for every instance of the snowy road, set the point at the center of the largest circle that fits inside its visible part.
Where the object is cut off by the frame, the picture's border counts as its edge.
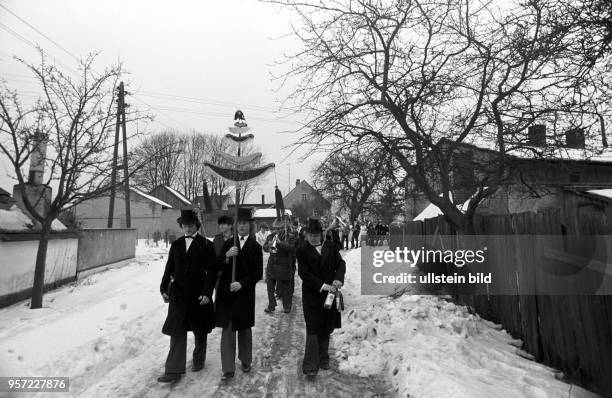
(105, 334)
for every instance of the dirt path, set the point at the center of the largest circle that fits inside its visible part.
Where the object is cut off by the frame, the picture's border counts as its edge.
(277, 370)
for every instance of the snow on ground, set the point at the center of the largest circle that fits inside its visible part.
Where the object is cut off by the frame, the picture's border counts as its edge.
(427, 346)
(104, 332)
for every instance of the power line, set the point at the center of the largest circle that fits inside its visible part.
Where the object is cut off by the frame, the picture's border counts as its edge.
(35, 47)
(39, 32)
(210, 101)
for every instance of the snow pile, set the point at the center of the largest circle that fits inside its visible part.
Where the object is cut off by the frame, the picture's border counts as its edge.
(430, 347)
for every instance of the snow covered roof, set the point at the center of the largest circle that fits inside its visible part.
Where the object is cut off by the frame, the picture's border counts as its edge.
(268, 213)
(606, 193)
(178, 195)
(432, 210)
(587, 155)
(15, 220)
(151, 198)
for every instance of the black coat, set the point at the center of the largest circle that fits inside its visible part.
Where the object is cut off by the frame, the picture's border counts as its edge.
(316, 269)
(239, 307)
(194, 275)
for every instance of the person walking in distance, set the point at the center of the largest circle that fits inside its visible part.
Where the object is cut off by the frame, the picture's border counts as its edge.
(235, 300)
(187, 286)
(322, 271)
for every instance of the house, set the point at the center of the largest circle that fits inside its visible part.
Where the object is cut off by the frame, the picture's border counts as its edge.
(150, 215)
(532, 183)
(305, 201)
(170, 196)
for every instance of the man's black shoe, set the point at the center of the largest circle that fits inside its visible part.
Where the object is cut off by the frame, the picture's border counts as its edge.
(197, 368)
(324, 365)
(227, 376)
(287, 310)
(169, 378)
(246, 368)
(268, 310)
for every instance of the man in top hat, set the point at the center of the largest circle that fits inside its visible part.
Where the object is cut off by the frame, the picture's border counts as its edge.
(279, 271)
(187, 285)
(235, 303)
(322, 271)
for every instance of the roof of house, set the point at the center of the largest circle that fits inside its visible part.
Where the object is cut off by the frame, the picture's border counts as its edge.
(151, 198)
(303, 182)
(178, 195)
(268, 213)
(601, 156)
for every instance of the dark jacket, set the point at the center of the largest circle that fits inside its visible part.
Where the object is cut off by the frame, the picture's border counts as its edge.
(239, 307)
(194, 275)
(280, 264)
(316, 269)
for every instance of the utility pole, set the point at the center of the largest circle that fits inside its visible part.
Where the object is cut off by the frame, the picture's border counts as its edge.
(120, 123)
(111, 206)
(128, 217)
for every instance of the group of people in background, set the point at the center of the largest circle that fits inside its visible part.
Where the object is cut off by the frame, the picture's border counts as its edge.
(210, 284)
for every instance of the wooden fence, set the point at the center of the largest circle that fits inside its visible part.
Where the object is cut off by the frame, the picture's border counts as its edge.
(571, 332)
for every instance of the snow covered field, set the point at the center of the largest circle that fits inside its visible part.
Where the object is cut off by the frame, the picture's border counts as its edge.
(104, 332)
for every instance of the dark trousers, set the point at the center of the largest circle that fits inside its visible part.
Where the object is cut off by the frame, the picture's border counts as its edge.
(177, 356)
(316, 352)
(228, 347)
(284, 290)
(355, 241)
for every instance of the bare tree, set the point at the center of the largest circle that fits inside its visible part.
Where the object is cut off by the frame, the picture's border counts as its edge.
(419, 79)
(191, 166)
(352, 177)
(74, 118)
(160, 154)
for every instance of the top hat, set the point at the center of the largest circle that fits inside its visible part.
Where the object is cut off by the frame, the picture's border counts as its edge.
(188, 216)
(314, 226)
(244, 214)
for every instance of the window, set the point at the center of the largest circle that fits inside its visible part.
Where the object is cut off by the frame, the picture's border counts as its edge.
(304, 197)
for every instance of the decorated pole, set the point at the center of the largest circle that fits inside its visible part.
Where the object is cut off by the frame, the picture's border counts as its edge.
(236, 168)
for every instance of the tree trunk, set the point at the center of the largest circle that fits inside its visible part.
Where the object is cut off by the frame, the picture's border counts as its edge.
(39, 270)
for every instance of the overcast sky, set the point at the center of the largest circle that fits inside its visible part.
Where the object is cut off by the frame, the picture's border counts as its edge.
(219, 54)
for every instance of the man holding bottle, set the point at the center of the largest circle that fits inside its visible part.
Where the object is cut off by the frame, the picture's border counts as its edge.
(322, 271)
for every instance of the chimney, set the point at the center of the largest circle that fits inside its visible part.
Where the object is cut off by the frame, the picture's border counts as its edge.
(37, 158)
(297, 182)
(537, 135)
(263, 202)
(574, 138)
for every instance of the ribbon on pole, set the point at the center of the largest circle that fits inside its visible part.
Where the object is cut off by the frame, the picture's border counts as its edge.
(238, 129)
(233, 175)
(240, 160)
(240, 139)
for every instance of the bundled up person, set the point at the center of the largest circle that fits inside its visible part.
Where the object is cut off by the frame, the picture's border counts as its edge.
(187, 285)
(322, 271)
(235, 300)
(225, 224)
(279, 271)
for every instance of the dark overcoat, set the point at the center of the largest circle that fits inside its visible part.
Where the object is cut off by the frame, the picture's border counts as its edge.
(239, 307)
(316, 269)
(194, 274)
(280, 264)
